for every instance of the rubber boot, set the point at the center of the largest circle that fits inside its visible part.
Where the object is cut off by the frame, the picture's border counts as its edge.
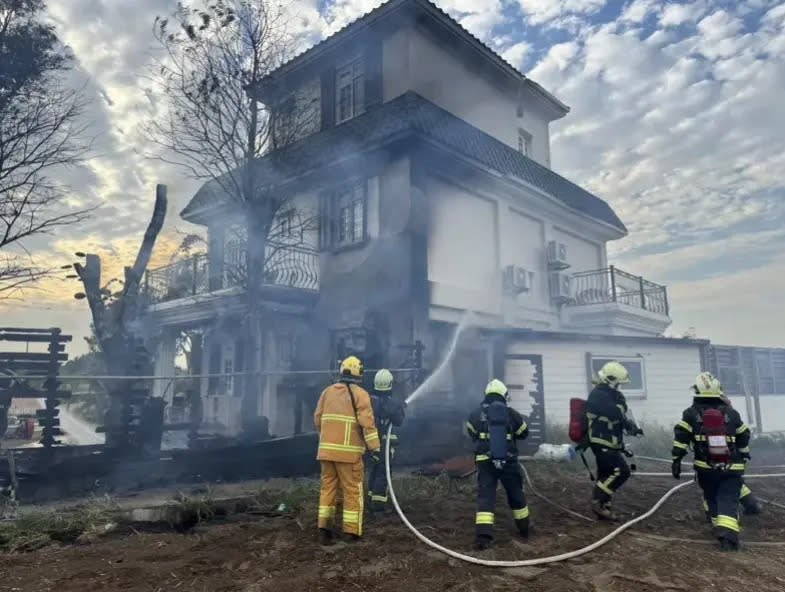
(482, 543)
(602, 510)
(728, 545)
(751, 505)
(325, 537)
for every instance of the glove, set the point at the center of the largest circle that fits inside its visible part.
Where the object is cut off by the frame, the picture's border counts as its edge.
(638, 431)
(676, 469)
(376, 456)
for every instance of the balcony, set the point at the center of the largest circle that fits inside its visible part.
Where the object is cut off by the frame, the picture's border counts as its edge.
(289, 267)
(617, 302)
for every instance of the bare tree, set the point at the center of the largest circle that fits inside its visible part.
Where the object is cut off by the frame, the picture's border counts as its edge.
(41, 130)
(116, 317)
(216, 132)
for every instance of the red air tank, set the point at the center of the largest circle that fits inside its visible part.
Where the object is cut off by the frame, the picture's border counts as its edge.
(577, 419)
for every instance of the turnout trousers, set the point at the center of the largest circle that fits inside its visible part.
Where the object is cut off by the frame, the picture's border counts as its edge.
(377, 478)
(347, 477)
(511, 478)
(721, 491)
(612, 472)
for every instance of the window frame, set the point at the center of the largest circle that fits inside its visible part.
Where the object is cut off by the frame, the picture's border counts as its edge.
(355, 70)
(635, 394)
(525, 142)
(331, 219)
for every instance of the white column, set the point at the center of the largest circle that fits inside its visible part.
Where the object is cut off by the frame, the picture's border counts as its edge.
(164, 363)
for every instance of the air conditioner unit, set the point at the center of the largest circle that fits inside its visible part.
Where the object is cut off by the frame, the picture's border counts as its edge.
(560, 286)
(557, 256)
(517, 279)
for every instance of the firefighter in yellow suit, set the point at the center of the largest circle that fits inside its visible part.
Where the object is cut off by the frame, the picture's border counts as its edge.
(345, 422)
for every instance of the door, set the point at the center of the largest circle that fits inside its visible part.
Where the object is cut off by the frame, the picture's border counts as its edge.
(523, 376)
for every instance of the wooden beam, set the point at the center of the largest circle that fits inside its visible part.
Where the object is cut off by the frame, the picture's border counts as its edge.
(18, 356)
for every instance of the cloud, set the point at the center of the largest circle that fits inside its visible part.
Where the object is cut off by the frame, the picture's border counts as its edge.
(541, 12)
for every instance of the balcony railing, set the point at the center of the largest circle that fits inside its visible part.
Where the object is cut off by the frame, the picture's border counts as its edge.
(285, 266)
(612, 285)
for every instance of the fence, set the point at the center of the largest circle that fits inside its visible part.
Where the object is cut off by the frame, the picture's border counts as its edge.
(285, 266)
(612, 285)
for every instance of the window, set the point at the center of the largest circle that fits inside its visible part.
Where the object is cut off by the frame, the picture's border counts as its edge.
(349, 91)
(235, 247)
(345, 217)
(286, 225)
(636, 389)
(524, 142)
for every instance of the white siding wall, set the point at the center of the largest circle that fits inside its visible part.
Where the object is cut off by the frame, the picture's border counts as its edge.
(441, 78)
(523, 243)
(669, 368)
(582, 254)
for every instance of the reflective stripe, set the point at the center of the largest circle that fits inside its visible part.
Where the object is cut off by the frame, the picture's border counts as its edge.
(714, 521)
(738, 467)
(470, 427)
(341, 447)
(379, 498)
(744, 427)
(744, 450)
(484, 518)
(521, 429)
(520, 514)
(605, 488)
(727, 522)
(392, 438)
(700, 438)
(483, 435)
(685, 426)
(677, 444)
(349, 516)
(339, 417)
(482, 457)
(372, 437)
(705, 505)
(326, 511)
(745, 491)
(708, 395)
(609, 444)
(702, 464)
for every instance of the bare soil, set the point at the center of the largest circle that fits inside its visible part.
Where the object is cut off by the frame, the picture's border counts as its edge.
(672, 551)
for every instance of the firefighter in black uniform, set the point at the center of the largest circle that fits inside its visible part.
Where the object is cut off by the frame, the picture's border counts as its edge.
(749, 502)
(387, 411)
(495, 428)
(606, 422)
(720, 442)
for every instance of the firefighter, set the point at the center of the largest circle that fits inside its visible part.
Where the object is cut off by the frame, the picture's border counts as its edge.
(494, 427)
(606, 422)
(720, 441)
(346, 426)
(749, 502)
(386, 411)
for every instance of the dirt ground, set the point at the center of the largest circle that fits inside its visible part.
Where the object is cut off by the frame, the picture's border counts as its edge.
(254, 554)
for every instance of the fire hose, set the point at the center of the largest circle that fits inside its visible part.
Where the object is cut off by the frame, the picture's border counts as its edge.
(539, 560)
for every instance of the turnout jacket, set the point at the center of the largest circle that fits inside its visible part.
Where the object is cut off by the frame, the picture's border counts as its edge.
(606, 417)
(387, 411)
(689, 431)
(345, 422)
(477, 426)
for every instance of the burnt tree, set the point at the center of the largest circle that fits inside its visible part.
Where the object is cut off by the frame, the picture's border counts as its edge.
(120, 332)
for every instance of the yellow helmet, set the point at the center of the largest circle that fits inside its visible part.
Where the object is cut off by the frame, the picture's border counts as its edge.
(496, 387)
(352, 367)
(613, 374)
(383, 380)
(707, 385)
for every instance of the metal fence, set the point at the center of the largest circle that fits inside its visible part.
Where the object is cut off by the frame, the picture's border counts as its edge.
(285, 266)
(612, 285)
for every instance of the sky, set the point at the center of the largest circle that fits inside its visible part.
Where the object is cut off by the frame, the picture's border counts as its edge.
(675, 120)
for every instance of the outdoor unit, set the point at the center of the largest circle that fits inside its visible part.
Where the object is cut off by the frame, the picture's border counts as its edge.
(557, 256)
(560, 285)
(517, 279)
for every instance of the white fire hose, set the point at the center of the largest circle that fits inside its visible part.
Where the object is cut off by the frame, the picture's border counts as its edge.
(539, 560)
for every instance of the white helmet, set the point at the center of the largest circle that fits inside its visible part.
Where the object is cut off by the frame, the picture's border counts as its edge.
(613, 374)
(383, 380)
(497, 387)
(706, 385)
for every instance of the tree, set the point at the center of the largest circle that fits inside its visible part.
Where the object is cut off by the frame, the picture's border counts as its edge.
(118, 323)
(216, 132)
(40, 131)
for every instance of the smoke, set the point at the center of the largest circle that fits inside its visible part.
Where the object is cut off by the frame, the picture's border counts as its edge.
(433, 380)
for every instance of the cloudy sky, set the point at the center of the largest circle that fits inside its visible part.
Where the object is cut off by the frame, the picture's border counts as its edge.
(676, 121)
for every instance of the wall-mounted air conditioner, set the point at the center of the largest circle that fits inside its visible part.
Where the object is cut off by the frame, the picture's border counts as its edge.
(557, 256)
(560, 286)
(517, 279)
